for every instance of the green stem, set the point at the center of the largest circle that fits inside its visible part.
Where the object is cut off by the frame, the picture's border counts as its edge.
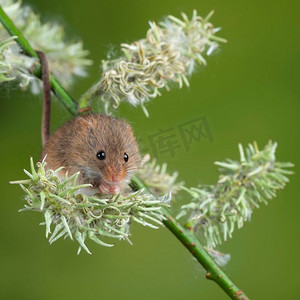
(63, 96)
(187, 237)
(184, 235)
(14, 31)
(86, 98)
(58, 90)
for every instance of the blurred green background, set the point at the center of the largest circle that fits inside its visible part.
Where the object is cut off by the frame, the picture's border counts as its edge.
(249, 91)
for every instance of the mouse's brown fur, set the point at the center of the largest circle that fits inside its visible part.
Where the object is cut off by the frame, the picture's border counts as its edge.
(75, 146)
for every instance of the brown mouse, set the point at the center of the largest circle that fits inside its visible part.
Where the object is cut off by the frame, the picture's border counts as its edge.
(103, 149)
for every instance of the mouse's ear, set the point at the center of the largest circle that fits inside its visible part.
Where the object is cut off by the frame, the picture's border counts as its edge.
(85, 122)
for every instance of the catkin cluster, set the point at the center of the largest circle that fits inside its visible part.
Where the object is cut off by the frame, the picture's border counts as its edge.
(215, 210)
(167, 55)
(67, 59)
(73, 214)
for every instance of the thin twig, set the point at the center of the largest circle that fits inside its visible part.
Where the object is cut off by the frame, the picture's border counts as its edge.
(187, 237)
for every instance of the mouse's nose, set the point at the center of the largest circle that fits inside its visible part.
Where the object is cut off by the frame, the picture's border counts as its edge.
(114, 174)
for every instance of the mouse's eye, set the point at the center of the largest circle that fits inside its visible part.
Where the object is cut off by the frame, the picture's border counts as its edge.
(126, 157)
(101, 155)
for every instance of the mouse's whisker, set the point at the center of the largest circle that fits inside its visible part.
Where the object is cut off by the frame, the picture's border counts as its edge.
(134, 155)
(133, 169)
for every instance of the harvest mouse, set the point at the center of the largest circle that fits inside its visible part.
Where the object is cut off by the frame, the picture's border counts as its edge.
(103, 149)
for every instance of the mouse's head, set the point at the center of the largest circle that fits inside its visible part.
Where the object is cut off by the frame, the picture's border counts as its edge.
(111, 153)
